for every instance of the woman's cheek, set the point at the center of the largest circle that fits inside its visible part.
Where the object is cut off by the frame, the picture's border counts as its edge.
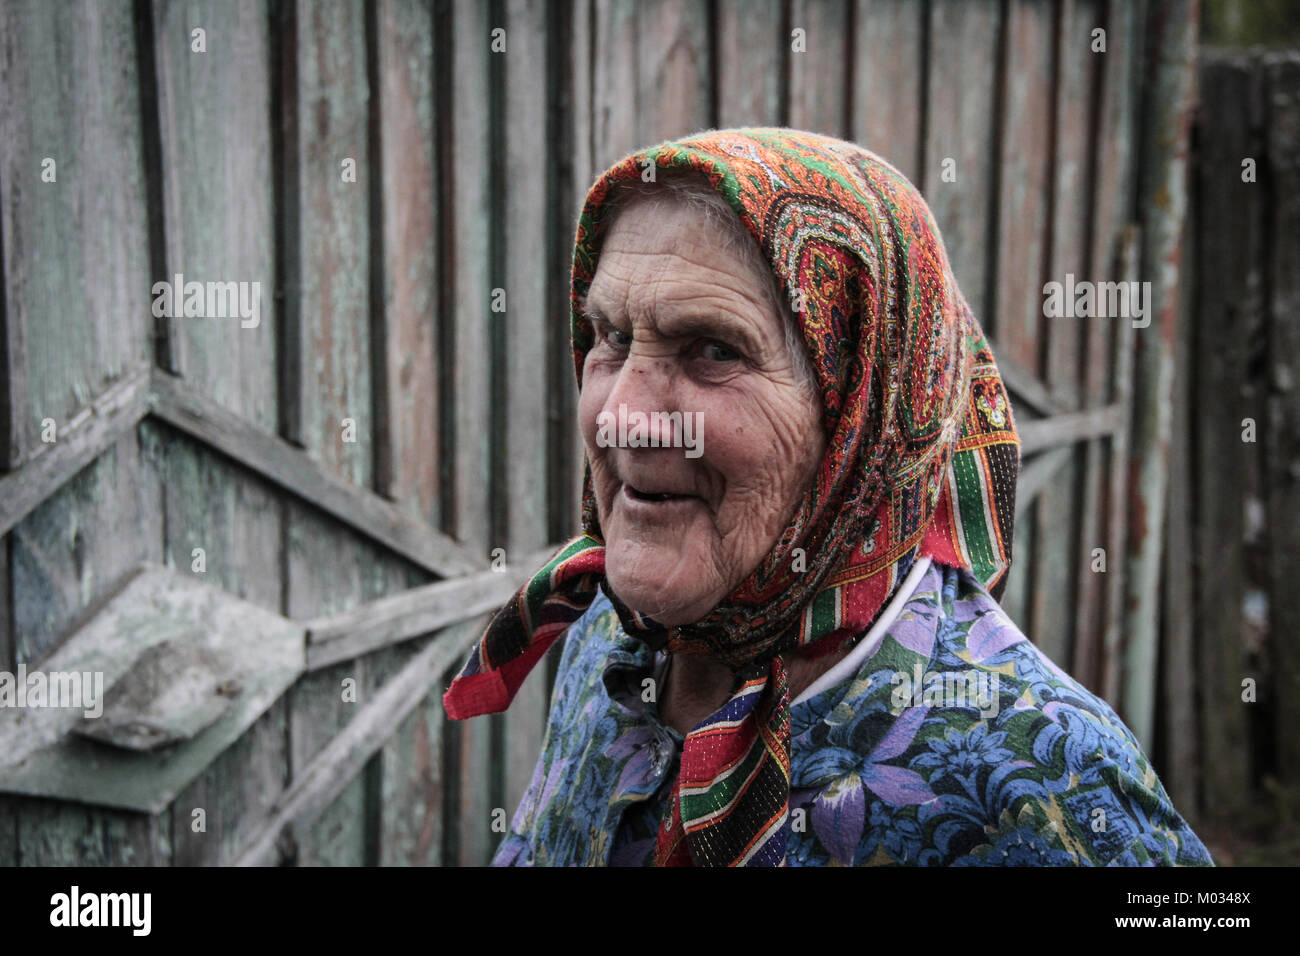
(732, 441)
(595, 389)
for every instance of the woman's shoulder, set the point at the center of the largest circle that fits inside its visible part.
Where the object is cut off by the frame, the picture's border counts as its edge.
(959, 741)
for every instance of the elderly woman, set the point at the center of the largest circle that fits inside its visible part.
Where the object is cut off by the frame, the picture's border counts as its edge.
(782, 638)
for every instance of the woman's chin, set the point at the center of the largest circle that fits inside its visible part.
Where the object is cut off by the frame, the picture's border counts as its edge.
(665, 586)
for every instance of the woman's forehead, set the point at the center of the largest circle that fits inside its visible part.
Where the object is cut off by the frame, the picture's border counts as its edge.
(658, 222)
(670, 254)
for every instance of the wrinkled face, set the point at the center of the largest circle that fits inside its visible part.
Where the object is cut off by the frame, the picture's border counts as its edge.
(689, 504)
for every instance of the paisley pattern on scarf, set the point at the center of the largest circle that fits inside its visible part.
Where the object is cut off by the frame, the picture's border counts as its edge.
(1035, 771)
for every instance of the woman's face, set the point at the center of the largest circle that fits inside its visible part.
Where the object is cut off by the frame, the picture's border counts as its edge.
(682, 325)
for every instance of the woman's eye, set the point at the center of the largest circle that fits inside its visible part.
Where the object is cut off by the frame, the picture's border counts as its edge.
(717, 352)
(615, 337)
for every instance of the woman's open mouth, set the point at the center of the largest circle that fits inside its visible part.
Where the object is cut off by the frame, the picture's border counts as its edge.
(654, 497)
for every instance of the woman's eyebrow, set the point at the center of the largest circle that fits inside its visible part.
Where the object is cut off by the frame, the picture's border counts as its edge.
(590, 312)
(712, 325)
(691, 323)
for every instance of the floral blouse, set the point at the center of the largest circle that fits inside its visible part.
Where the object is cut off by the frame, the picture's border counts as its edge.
(957, 743)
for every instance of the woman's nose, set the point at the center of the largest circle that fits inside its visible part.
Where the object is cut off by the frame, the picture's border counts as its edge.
(644, 387)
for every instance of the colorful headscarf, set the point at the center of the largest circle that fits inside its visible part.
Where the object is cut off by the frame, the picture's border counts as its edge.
(921, 460)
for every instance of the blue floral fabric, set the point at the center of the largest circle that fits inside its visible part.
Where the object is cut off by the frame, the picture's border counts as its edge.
(957, 743)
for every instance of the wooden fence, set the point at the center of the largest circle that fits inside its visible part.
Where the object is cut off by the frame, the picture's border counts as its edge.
(386, 172)
(1233, 557)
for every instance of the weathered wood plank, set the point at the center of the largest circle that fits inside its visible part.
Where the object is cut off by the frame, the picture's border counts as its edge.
(1083, 664)
(1162, 204)
(616, 129)
(51, 833)
(1109, 182)
(419, 610)
(286, 175)
(467, 193)
(523, 328)
(330, 570)
(325, 575)
(468, 765)
(7, 641)
(236, 793)
(1118, 482)
(1070, 183)
(1226, 267)
(1114, 187)
(358, 826)
(1283, 476)
(1062, 520)
(337, 835)
(576, 69)
(1115, 242)
(8, 806)
(335, 766)
(1026, 388)
(410, 275)
(751, 59)
(652, 76)
(1176, 716)
(13, 375)
(77, 542)
(1069, 427)
(818, 95)
(1178, 709)
(9, 830)
(78, 442)
(888, 73)
(221, 523)
(76, 256)
(299, 473)
(572, 68)
(1037, 474)
(1024, 186)
(960, 103)
(214, 121)
(333, 97)
(387, 801)
(674, 75)
(236, 519)
(1080, 107)
(1056, 556)
(569, 452)
(413, 804)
